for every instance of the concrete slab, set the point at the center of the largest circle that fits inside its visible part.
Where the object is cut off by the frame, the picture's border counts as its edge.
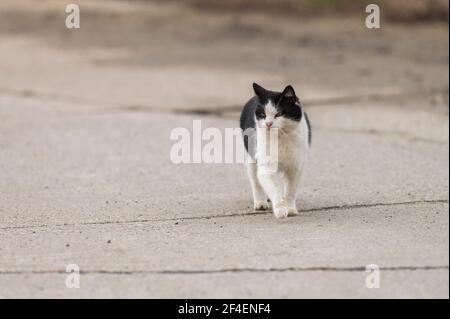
(207, 59)
(388, 235)
(307, 284)
(187, 258)
(124, 172)
(86, 177)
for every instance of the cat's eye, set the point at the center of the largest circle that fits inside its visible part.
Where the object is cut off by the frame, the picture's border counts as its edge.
(260, 113)
(278, 114)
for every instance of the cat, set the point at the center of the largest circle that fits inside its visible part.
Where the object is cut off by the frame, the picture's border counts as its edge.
(266, 111)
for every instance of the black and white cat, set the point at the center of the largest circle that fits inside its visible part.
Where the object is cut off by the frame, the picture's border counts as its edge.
(282, 111)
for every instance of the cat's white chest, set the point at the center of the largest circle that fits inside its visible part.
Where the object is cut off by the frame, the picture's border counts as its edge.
(293, 148)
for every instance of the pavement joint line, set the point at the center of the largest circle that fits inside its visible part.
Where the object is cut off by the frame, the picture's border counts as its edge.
(219, 111)
(225, 270)
(28, 93)
(350, 99)
(384, 133)
(337, 207)
(223, 110)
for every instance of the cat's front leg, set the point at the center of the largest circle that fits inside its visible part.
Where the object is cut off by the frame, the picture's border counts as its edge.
(259, 196)
(273, 185)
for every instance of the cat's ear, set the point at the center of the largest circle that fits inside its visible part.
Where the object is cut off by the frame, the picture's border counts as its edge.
(289, 92)
(259, 90)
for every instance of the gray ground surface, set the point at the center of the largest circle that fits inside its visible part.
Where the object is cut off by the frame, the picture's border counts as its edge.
(86, 176)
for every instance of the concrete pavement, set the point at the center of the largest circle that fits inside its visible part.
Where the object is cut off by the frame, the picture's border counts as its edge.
(86, 179)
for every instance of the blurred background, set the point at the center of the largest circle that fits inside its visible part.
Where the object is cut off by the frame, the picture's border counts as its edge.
(195, 55)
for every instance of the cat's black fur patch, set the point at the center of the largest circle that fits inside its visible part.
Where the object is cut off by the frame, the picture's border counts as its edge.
(286, 103)
(247, 121)
(309, 127)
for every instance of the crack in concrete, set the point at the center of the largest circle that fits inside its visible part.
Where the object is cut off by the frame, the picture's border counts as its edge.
(28, 93)
(219, 111)
(225, 270)
(222, 111)
(384, 133)
(350, 99)
(337, 207)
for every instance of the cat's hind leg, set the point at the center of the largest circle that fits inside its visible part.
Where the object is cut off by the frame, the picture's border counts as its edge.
(259, 196)
(292, 181)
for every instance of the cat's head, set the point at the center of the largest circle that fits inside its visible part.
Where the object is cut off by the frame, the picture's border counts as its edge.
(280, 110)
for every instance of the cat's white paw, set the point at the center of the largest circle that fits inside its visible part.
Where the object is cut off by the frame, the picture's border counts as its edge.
(260, 205)
(292, 211)
(281, 211)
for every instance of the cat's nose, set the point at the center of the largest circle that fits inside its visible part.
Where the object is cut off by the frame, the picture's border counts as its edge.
(269, 124)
